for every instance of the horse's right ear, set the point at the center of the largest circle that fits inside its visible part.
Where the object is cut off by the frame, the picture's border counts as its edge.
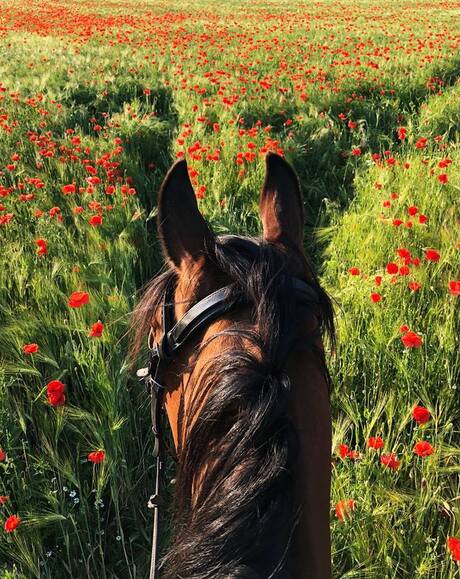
(281, 205)
(183, 232)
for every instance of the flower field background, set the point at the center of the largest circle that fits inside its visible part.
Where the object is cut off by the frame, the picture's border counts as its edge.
(97, 99)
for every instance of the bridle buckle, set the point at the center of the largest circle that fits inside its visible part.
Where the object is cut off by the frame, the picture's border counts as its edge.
(154, 501)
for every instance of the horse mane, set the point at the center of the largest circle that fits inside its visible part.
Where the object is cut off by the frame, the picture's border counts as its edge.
(242, 515)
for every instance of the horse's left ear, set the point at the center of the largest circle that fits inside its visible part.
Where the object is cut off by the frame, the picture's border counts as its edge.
(183, 231)
(281, 206)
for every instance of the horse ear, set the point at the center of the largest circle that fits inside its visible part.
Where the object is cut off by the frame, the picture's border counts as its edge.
(280, 206)
(183, 232)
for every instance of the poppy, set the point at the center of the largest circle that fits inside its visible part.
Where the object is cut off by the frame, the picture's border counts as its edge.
(432, 255)
(392, 268)
(421, 143)
(411, 340)
(343, 450)
(68, 189)
(454, 287)
(96, 456)
(96, 330)
(354, 271)
(343, 508)
(402, 132)
(2, 455)
(404, 270)
(12, 523)
(421, 414)
(375, 297)
(95, 220)
(42, 247)
(78, 299)
(403, 253)
(4, 499)
(423, 448)
(375, 442)
(453, 545)
(414, 286)
(55, 392)
(443, 178)
(389, 460)
(30, 348)
(354, 454)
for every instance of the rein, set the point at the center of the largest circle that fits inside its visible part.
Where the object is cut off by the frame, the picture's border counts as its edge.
(174, 336)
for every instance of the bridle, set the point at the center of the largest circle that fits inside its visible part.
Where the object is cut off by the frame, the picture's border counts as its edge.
(174, 336)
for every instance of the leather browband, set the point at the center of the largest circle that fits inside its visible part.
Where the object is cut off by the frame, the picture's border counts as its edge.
(207, 310)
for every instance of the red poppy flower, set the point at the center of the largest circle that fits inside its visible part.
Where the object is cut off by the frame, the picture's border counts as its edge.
(96, 330)
(30, 348)
(55, 392)
(78, 299)
(421, 143)
(2, 455)
(378, 280)
(432, 255)
(42, 247)
(403, 329)
(68, 189)
(443, 178)
(454, 287)
(389, 460)
(402, 132)
(344, 507)
(414, 286)
(354, 454)
(343, 450)
(356, 152)
(12, 523)
(375, 297)
(354, 271)
(375, 442)
(422, 218)
(423, 448)
(421, 414)
(411, 340)
(4, 499)
(397, 222)
(95, 220)
(413, 210)
(403, 253)
(453, 544)
(96, 456)
(392, 268)
(404, 270)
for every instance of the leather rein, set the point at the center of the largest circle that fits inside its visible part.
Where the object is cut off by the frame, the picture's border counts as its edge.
(174, 336)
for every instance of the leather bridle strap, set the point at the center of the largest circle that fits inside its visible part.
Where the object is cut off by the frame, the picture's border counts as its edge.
(160, 353)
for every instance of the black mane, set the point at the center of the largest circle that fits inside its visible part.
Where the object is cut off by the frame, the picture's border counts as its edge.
(243, 513)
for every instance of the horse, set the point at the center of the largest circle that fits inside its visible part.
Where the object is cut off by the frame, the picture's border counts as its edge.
(247, 396)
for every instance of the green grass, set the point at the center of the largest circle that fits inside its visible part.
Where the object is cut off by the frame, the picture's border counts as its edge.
(226, 81)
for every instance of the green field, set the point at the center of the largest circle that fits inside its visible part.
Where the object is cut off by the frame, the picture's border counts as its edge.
(97, 99)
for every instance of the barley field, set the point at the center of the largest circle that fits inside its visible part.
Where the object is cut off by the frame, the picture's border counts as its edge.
(97, 99)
